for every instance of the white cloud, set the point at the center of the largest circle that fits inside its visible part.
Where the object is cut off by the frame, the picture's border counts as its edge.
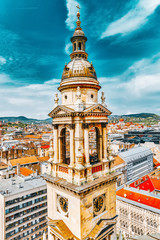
(142, 85)
(34, 100)
(2, 60)
(71, 16)
(136, 90)
(68, 48)
(4, 78)
(133, 20)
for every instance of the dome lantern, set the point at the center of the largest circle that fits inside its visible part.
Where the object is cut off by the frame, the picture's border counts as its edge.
(79, 72)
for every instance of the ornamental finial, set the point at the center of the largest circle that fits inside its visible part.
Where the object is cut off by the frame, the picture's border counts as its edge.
(78, 17)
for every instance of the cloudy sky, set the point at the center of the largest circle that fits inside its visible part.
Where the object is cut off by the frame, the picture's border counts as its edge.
(123, 44)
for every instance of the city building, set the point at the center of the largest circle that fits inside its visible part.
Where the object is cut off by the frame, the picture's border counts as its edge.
(139, 161)
(155, 236)
(23, 211)
(138, 207)
(81, 187)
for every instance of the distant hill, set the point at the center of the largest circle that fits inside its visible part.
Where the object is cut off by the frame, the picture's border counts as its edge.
(49, 120)
(25, 120)
(142, 115)
(137, 115)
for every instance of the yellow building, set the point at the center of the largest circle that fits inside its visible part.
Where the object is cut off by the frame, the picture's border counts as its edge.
(80, 183)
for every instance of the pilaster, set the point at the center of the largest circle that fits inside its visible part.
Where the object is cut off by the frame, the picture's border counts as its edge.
(56, 149)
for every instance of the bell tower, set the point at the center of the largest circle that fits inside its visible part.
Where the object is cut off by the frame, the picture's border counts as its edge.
(81, 186)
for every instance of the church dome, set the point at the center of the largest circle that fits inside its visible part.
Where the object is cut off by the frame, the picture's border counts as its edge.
(79, 67)
(78, 32)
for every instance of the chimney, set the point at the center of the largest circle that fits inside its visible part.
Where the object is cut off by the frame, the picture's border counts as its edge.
(18, 169)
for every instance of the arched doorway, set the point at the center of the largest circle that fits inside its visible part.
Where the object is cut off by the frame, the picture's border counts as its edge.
(65, 146)
(94, 145)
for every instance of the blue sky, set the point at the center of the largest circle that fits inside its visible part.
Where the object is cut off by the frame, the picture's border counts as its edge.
(123, 44)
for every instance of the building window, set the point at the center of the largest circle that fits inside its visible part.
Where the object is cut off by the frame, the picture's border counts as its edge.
(79, 46)
(65, 96)
(92, 96)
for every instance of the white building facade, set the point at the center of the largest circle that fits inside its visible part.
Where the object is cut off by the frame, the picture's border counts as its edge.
(136, 218)
(23, 209)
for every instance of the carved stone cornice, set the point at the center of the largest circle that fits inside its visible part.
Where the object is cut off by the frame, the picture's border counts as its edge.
(82, 190)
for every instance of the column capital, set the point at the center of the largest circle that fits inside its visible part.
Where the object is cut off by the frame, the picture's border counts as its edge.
(85, 125)
(71, 126)
(103, 125)
(55, 126)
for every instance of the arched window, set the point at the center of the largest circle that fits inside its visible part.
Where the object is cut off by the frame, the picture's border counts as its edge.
(79, 46)
(65, 146)
(94, 145)
(74, 46)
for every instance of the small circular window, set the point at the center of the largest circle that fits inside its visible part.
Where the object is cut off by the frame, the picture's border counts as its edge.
(65, 96)
(92, 96)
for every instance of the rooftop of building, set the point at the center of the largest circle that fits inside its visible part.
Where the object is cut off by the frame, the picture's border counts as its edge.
(25, 171)
(3, 165)
(134, 153)
(139, 198)
(27, 160)
(147, 183)
(118, 161)
(17, 184)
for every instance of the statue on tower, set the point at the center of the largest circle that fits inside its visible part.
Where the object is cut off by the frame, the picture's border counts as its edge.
(56, 100)
(103, 98)
(79, 105)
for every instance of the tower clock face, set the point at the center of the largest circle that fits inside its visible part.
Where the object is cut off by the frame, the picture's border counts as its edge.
(63, 202)
(62, 205)
(98, 205)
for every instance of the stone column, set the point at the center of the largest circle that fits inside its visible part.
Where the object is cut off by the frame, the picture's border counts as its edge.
(56, 150)
(72, 148)
(100, 143)
(104, 140)
(86, 143)
(79, 148)
(60, 149)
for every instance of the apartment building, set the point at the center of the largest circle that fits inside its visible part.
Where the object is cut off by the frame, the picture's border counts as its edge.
(139, 162)
(138, 207)
(23, 211)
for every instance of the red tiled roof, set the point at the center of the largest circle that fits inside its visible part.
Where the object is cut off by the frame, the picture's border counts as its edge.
(147, 184)
(140, 198)
(25, 171)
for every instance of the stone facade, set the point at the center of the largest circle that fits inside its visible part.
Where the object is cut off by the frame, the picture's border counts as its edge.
(137, 220)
